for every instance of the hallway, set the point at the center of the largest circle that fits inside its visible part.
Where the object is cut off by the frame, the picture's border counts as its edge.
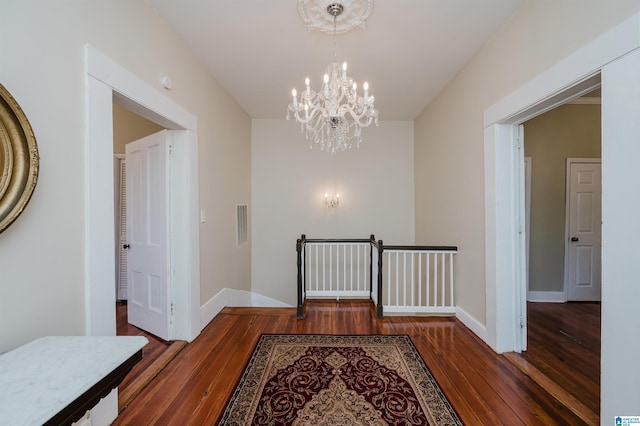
(483, 387)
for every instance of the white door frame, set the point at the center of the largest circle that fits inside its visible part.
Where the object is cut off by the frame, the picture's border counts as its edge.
(106, 82)
(575, 75)
(528, 163)
(570, 161)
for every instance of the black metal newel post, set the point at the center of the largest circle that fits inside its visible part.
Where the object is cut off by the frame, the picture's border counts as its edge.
(379, 311)
(300, 308)
(372, 241)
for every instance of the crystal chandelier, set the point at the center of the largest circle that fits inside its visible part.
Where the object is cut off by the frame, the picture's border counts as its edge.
(334, 116)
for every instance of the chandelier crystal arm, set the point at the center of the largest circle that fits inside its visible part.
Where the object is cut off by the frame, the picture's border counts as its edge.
(365, 119)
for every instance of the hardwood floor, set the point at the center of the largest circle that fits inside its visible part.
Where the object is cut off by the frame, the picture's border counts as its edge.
(564, 349)
(155, 356)
(483, 387)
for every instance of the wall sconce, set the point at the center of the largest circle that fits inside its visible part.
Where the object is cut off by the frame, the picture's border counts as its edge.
(331, 202)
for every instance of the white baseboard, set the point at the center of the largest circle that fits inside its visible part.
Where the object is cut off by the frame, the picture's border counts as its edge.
(261, 301)
(239, 298)
(546, 296)
(473, 324)
(212, 307)
(231, 297)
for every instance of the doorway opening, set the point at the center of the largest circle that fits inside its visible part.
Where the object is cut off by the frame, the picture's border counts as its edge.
(614, 56)
(127, 127)
(563, 225)
(108, 83)
(562, 205)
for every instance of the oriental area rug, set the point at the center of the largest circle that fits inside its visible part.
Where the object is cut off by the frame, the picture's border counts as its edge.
(337, 380)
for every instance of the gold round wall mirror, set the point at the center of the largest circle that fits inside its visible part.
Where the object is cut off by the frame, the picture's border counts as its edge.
(19, 161)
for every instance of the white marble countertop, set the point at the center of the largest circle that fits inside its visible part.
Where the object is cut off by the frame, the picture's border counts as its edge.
(41, 378)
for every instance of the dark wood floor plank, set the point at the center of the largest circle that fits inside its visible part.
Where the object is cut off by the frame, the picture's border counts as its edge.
(564, 345)
(163, 397)
(209, 408)
(127, 393)
(214, 370)
(151, 354)
(483, 387)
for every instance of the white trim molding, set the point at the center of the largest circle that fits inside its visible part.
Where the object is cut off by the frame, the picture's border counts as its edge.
(472, 324)
(586, 100)
(212, 307)
(237, 298)
(261, 301)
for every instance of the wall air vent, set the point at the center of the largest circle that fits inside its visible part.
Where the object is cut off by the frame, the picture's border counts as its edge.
(241, 224)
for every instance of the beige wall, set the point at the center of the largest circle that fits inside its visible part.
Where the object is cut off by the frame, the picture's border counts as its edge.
(375, 183)
(570, 131)
(449, 147)
(128, 127)
(42, 281)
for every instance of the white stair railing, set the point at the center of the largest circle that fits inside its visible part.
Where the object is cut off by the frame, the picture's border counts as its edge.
(337, 269)
(398, 279)
(418, 279)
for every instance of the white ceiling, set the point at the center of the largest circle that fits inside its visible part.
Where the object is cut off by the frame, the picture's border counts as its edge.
(260, 49)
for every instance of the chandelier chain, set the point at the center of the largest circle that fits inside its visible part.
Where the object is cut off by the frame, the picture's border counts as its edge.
(335, 17)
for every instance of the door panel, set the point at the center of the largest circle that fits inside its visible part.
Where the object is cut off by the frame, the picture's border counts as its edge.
(585, 212)
(148, 231)
(583, 269)
(584, 265)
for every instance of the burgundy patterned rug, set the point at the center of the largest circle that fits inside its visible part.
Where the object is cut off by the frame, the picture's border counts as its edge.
(337, 380)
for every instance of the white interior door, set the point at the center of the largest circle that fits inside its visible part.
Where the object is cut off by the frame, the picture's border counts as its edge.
(584, 230)
(148, 162)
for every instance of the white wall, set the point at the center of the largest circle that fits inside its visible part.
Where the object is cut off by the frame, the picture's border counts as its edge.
(289, 180)
(542, 35)
(42, 289)
(449, 132)
(620, 235)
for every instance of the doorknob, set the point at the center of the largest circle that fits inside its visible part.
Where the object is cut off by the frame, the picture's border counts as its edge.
(574, 239)
(126, 246)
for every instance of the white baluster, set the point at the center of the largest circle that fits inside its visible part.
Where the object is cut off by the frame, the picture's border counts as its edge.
(444, 287)
(428, 279)
(451, 279)
(404, 276)
(387, 264)
(420, 279)
(435, 279)
(413, 279)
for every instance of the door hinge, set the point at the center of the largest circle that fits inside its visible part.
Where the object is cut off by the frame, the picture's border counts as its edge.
(170, 150)
(521, 322)
(519, 144)
(172, 309)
